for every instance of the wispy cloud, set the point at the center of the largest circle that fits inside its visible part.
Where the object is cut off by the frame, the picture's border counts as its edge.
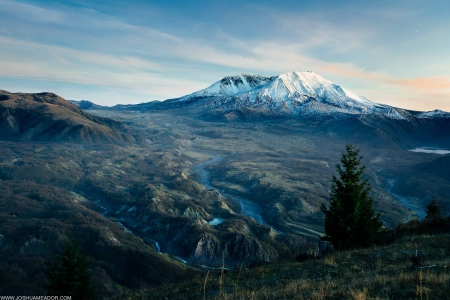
(31, 60)
(436, 83)
(31, 12)
(88, 47)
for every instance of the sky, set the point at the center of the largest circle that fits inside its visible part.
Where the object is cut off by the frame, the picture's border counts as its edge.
(391, 51)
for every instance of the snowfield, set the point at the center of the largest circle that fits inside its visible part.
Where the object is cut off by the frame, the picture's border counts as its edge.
(293, 93)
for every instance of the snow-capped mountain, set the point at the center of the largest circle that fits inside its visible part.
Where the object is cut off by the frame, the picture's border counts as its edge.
(294, 93)
(434, 114)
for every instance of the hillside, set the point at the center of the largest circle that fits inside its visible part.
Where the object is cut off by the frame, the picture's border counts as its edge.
(35, 219)
(439, 167)
(386, 272)
(47, 117)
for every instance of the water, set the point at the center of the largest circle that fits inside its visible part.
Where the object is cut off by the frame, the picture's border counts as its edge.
(215, 221)
(125, 228)
(407, 202)
(182, 260)
(431, 150)
(249, 208)
(204, 177)
(158, 248)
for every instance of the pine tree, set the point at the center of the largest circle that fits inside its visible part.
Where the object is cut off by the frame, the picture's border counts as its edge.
(350, 221)
(68, 274)
(434, 210)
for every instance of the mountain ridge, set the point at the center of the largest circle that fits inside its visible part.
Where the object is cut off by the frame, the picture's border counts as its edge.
(303, 94)
(49, 118)
(293, 93)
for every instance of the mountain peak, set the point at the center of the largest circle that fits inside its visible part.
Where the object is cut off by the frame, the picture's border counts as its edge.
(292, 93)
(233, 85)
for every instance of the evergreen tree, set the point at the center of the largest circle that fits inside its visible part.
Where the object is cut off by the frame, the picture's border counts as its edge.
(350, 220)
(434, 210)
(68, 274)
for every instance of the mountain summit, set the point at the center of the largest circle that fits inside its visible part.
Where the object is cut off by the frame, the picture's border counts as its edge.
(294, 93)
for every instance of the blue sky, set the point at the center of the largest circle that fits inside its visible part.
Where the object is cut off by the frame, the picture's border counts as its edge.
(109, 52)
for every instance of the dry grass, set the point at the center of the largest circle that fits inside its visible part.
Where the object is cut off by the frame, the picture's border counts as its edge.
(374, 273)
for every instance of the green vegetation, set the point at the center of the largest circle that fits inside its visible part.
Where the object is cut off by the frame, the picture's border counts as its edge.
(350, 221)
(434, 210)
(68, 274)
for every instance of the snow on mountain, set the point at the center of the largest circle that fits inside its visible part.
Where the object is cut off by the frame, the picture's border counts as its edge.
(434, 114)
(294, 93)
(232, 85)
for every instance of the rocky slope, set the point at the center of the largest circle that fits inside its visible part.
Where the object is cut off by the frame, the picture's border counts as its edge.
(177, 215)
(48, 117)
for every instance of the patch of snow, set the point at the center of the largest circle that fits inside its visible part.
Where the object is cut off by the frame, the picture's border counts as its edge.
(232, 85)
(434, 114)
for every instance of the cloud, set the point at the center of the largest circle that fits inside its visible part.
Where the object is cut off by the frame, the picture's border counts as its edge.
(60, 64)
(426, 93)
(436, 83)
(31, 12)
(422, 93)
(90, 48)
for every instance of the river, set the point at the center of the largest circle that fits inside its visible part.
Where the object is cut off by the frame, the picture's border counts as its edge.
(407, 202)
(248, 208)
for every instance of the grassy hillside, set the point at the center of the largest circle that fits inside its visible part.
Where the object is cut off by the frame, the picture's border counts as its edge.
(385, 272)
(35, 220)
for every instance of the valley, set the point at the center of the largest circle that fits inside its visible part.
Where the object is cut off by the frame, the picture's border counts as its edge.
(191, 189)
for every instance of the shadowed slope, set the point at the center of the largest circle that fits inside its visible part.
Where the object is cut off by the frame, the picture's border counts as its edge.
(48, 117)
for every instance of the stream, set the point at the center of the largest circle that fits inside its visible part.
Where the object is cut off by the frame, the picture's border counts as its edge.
(407, 202)
(249, 208)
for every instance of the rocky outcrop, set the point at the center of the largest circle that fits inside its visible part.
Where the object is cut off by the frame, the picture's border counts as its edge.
(207, 248)
(34, 247)
(235, 250)
(244, 249)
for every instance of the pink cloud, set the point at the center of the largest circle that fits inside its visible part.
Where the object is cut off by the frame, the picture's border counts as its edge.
(426, 83)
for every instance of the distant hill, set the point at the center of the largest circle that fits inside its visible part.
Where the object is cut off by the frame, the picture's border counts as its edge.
(49, 118)
(439, 167)
(85, 104)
